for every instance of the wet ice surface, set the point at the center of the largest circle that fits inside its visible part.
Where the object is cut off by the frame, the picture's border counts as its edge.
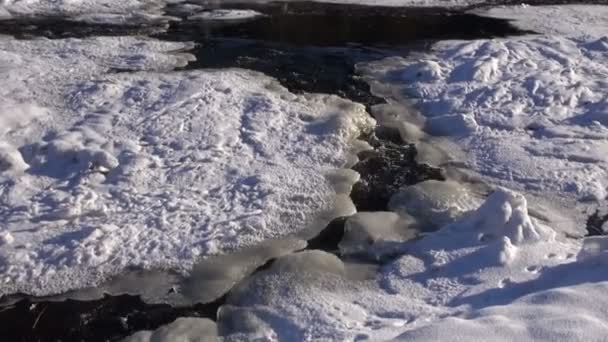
(488, 252)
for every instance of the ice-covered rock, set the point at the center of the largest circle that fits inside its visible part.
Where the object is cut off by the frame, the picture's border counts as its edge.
(376, 232)
(184, 329)
(434, 203)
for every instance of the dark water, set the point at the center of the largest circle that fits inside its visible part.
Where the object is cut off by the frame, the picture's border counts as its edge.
(308, 47)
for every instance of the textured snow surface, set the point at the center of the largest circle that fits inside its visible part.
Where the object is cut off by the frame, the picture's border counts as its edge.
(392, 3)
(493, 274)
(528, 113)
(75, 7)
(151, 169)
(574, 20)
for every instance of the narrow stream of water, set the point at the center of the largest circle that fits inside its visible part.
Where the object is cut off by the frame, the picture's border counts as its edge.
(308, 47)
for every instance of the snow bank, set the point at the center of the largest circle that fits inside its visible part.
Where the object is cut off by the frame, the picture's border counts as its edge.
(152, 169)
(526, 113)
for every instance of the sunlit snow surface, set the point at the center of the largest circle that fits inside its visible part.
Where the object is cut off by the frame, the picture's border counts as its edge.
(529, 113)
(151, 169)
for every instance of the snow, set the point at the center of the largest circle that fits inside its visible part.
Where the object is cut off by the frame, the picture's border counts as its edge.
(75, 7)
(496, 269)
(574, 20)
(182, 329)
(392, 3)
(152, 169)
(119, 11)
(523, 112)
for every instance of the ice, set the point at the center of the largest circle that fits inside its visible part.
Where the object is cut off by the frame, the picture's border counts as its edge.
(376, 233)
(154, 169)
(225, 14)
(183, 329)
(455, 275)
(94, 9)
(434, 203)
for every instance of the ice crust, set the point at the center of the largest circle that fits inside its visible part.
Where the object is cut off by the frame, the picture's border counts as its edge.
(152, 169)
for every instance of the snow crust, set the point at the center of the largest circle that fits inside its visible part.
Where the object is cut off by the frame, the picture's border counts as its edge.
(152, 169)
(392, 3)
(133, 8)
(527, 113)
(494, 274)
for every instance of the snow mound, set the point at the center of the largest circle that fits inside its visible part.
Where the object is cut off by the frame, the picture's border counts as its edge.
(505, 213)
(156, 170)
